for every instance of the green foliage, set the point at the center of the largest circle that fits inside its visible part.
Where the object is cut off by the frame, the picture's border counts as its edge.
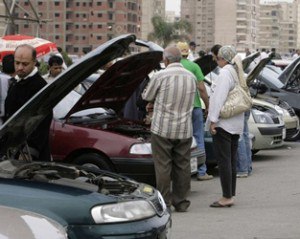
(43, 68)
(166, 32)
(66, 58)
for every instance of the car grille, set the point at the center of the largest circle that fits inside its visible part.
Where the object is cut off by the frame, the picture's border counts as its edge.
(291, 132)
(277, 140)
(158, 205)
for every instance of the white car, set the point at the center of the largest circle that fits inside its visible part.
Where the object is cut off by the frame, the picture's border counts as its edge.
(18, 223)
(267, 126)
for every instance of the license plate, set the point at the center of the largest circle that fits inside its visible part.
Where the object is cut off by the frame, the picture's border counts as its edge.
(194, 165)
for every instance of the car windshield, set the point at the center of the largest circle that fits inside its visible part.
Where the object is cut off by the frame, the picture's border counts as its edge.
(67, 103)
(271, 76)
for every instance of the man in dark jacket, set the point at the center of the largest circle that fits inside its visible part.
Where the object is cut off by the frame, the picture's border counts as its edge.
(27, 83)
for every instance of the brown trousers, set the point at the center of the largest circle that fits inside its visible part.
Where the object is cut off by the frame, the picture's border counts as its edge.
(172, 165)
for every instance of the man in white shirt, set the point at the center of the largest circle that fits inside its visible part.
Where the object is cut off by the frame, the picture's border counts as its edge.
(193, 55)
(55, 65)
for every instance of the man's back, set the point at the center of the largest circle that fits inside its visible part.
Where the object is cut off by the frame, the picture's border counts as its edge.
(175, 89)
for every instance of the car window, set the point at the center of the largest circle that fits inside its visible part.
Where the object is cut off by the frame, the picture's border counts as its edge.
(64, 106)
(269, 76)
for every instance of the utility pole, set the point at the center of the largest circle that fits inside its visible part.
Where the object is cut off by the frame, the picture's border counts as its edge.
(29, 16)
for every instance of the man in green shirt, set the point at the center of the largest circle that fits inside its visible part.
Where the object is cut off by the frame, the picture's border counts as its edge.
(197, 115)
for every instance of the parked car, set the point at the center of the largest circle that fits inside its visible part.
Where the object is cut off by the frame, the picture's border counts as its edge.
(89, 127)
(87, 202)
(284, 84)
(16, 223)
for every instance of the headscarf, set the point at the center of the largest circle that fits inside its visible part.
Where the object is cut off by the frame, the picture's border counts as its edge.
(229, 54)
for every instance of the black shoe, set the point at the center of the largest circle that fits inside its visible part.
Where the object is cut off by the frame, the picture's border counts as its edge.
(182, 206)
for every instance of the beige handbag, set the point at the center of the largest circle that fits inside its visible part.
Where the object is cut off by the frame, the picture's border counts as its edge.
(237, 101)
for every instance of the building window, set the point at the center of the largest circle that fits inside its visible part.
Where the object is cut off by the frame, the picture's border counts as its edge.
(26, 25)
(99, 37)
(99, 26)
(84, 4)
(99, 14)
(56, 37)
(77, 26)
(77, 4)
(76, 49)
(56, 3)
(110, 16)
(99, 3)
(56, 26)
(84, 37)
(56, 14)
(40, 3)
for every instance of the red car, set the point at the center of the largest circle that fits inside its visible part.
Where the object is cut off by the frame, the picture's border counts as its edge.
(90, 129)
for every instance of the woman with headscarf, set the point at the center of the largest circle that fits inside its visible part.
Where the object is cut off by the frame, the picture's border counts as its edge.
(225, 132)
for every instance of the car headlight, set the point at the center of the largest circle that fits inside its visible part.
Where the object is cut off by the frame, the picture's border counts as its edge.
(281, 111)
(143, 148)
(261, 117)
(122, 212)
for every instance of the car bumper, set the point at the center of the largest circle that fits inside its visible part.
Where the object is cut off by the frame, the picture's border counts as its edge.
(142, 169)
(156, 227)
(269, 137)
(292, 127)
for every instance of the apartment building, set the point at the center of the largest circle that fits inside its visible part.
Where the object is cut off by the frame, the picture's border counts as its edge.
(151, 8)
(278, 26)
(233, 22)
(2, 19)
(79, 26)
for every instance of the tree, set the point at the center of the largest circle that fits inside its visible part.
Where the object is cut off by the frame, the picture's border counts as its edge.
(166, 32)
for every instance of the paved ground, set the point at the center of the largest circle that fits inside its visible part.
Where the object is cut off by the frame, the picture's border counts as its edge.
(267, 204)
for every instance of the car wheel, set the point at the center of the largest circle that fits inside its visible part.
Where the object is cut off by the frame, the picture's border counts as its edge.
(93, 160)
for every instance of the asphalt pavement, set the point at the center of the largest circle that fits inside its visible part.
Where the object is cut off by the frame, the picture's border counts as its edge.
(267, 204)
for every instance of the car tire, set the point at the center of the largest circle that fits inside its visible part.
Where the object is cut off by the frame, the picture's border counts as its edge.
(93, 160)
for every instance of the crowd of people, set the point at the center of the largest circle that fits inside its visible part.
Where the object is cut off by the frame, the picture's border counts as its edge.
(174, 98)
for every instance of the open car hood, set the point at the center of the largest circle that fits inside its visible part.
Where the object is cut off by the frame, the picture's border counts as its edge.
(17, 128)
(256, 70)
(287, 73)
(115, 86)
(206, 63)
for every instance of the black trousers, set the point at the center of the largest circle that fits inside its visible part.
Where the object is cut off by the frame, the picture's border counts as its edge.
(172, 166)
(225, 150)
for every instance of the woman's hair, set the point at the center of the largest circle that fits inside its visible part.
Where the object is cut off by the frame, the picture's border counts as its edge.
(229, 54)
(215, 49)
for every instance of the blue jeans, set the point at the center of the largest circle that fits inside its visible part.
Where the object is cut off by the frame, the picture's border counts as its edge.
(244, 158)
(198, 133)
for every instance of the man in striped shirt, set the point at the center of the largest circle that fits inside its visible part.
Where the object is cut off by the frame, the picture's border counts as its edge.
(171, 92)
